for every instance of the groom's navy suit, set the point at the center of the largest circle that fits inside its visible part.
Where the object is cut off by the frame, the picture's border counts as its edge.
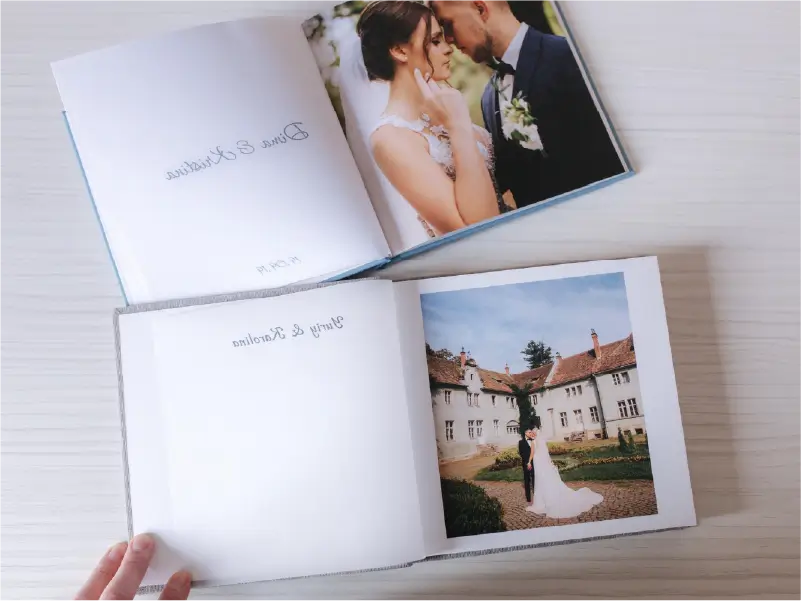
(578, 149)
(524, 448)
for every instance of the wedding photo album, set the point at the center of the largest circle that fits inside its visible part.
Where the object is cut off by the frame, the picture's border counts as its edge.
(316, 146)
(448, 416)
(537, 128)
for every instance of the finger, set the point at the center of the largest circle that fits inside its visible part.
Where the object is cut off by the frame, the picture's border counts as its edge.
(177, 586)
(434, 86)
(103, 572)
(133, 568)
(421, 83)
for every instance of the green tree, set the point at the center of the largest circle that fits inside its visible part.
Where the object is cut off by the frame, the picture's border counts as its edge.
(442, 353)
(537, 354)
(528, 415)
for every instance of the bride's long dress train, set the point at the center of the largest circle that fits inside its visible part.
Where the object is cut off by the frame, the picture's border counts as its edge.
(552, 497)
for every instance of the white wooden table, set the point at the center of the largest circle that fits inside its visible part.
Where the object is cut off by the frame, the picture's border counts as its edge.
(706, 99)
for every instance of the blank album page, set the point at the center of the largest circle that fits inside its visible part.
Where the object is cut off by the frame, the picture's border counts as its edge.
(216, 162)
(270, 438)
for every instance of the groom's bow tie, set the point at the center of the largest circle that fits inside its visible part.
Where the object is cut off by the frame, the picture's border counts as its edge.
(502, 68)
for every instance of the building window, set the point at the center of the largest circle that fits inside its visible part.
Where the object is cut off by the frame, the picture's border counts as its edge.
(493, 400)
(567, 391)
(633, 410)
(447, 397)
(621, 407)
(621, 378)
(471, 376)
(495, 426)
(448, 430)
(480, 428)
(574, 391)
(471, 429)
(563, 419)
(594, 415)
(533, 399)
(597, 435)
(514, 403)
(638, 430)
(627, 432)
(579, 389)
(578, 416)
(512, 427)
(475, 399)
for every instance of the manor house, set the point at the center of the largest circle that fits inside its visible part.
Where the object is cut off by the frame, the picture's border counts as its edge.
(587, 395)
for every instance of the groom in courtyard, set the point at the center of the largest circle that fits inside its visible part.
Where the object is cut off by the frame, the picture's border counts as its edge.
(548, 135)
(526, 449)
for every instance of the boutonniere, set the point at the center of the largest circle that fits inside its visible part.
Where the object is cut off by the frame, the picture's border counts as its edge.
(517, 122)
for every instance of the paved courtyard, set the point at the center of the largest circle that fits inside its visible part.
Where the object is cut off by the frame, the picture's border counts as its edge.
(622, 499)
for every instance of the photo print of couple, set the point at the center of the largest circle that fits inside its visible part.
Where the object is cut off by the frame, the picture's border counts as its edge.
(459, 112)
(540, 421)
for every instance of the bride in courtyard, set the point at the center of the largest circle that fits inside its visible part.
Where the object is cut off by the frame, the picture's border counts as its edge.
(552, 497)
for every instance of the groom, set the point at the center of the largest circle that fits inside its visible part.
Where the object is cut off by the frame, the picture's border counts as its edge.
(568, 146)
(526, 449)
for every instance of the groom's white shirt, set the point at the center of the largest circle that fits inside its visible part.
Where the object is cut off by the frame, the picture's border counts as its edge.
(511, 57)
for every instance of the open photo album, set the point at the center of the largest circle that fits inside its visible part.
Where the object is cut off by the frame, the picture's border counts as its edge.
(371, 424)
(264, 152)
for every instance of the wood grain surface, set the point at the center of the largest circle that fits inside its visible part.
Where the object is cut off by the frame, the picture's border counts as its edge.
(706, 99)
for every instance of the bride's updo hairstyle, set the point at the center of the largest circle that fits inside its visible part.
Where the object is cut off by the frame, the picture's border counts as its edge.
(383, 25)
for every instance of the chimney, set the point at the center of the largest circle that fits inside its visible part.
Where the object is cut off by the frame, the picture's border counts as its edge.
(557, 359)
(463, 357)
(595, 344)
(507, 369)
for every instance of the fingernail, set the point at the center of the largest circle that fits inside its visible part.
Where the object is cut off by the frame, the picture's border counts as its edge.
(183, 579)
(142, 542)
(117, 552)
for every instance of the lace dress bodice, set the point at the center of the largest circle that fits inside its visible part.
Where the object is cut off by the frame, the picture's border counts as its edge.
(439, 147)
(439, 143)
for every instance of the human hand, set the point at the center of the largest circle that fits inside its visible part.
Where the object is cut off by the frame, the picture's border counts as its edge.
(120, 571)
(445, 105)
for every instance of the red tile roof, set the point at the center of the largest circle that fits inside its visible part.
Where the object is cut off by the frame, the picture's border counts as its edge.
(444, 371)
(535, 377)
(614, 355)
(495, 381)
(578, 367)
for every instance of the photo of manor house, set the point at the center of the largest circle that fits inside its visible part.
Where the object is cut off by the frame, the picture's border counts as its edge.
(588, 395)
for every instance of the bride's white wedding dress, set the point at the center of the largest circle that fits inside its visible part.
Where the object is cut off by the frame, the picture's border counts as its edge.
(363, 103)
(553, 497)
(439, 147)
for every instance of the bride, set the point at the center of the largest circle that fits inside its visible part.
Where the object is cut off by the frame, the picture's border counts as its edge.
(553, 497)
(424, 142)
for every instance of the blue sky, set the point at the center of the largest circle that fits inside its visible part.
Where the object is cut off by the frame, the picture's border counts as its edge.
(496, 323)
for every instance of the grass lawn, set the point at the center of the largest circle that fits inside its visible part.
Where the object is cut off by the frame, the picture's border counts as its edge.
(513, 474)
(610, 471)
(640, 470)
(613, 451)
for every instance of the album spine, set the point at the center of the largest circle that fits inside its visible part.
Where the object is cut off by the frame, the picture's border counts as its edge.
(94, 207)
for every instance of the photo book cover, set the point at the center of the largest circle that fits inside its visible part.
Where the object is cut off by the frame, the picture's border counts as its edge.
(537, 407)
